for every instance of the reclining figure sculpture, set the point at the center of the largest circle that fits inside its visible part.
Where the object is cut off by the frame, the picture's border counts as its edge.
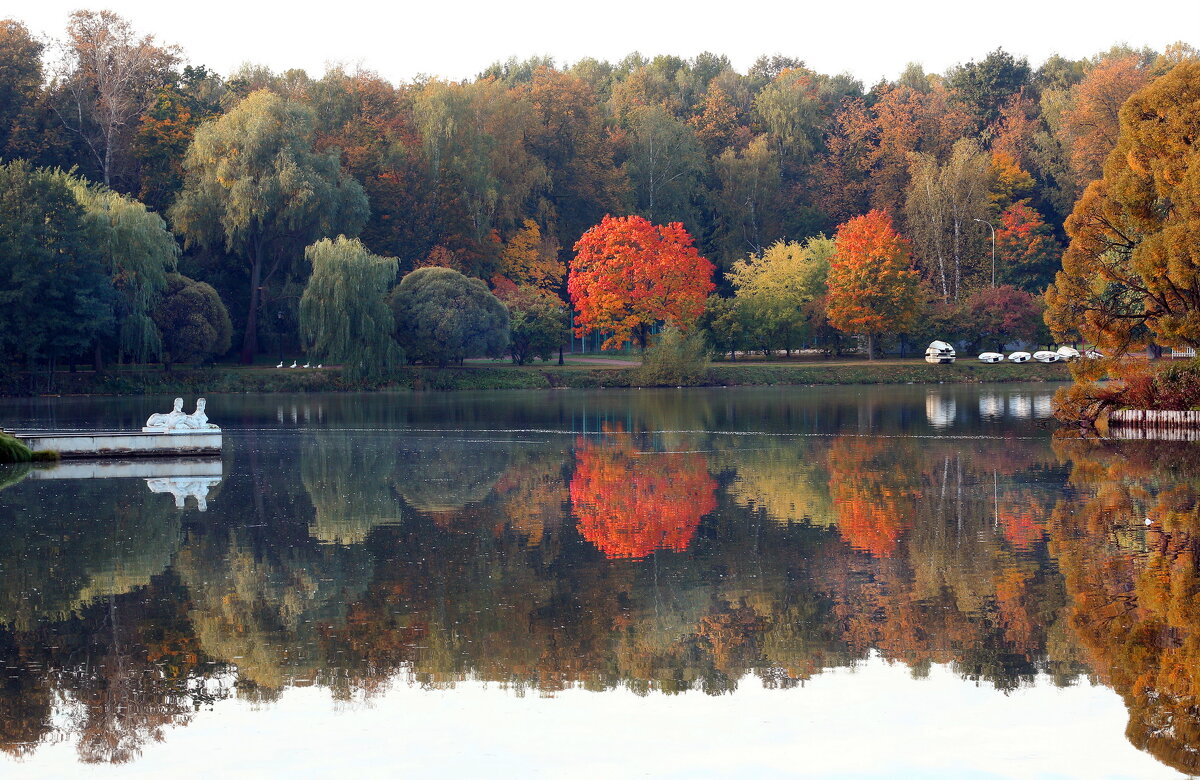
(177, 421)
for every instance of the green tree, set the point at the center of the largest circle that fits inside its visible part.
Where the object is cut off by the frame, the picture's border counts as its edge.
(139, 252)
(193, 320)
(475, 137)
(790, 108)
(664, 166)
(537, 322)
(20, 78)
(55, 293)
(723, 325)
(984, 87)
(255, 187)
(746, 204)
(344, 314)
(442, 316)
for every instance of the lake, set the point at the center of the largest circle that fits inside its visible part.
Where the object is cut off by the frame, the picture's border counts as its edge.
(894, 581)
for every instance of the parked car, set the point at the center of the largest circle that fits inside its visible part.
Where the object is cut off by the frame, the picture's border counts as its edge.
(1018, 357)
(1046, 356)
(939, 352)
(991, 357)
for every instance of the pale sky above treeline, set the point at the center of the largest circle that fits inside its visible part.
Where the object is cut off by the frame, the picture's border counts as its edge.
(400, 41)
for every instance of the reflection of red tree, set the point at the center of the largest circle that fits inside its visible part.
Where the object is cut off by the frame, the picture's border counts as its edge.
(868, 486)
(629, 505)
(1023, 528)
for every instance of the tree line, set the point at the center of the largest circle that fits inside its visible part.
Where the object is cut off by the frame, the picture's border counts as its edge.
(289, 200)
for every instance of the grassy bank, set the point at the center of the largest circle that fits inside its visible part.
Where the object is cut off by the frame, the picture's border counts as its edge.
(506, 377)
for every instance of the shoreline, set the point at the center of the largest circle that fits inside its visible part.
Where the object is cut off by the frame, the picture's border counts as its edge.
(537, 377)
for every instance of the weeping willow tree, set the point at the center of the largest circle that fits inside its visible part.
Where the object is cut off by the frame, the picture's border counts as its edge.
(139, 251)
(344, 316)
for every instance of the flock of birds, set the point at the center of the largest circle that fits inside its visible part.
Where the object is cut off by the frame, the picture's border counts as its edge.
(295, 362)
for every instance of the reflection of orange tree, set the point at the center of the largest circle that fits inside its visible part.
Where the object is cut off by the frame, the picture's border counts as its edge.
(1136, 588)
(870, 491)
(630, 505)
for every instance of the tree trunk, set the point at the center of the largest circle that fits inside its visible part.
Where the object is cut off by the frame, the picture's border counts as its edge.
(250, 339)
(97, 359)
(560, 354)
(870, 346)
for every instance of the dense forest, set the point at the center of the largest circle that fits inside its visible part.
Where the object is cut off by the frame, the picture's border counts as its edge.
(189, 206)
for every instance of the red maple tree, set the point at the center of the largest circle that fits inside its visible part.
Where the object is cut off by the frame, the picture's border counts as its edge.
(630, 275)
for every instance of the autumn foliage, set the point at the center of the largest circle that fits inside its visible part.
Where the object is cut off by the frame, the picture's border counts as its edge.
(1130, 273)
(630, 275)
(871, 496)
(872, 283)
(631, 504)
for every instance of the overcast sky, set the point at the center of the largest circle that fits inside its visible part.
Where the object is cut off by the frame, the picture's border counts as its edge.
(457, 39)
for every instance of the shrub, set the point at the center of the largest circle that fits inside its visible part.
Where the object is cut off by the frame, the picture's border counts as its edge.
(676, 359)
(13, 451)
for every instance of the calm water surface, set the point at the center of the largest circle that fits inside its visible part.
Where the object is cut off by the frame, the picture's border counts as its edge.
(843, 582)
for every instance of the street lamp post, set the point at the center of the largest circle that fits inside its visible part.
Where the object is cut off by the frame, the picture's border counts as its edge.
(989, 224)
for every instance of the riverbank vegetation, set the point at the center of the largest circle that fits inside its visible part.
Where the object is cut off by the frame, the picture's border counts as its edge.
(680, 367)
(13, 451)
(775, 208)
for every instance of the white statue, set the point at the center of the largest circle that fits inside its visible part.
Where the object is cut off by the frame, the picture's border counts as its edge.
(160, 423)
(176, 421)
(183, 488)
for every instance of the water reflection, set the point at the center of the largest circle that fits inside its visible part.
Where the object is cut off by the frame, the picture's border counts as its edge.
(663, 547)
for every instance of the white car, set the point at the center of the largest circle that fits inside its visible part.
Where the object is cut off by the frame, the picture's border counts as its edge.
(1018, 357)
(1068, 353)
(991, 357)
(939, 352)
(1046, 356)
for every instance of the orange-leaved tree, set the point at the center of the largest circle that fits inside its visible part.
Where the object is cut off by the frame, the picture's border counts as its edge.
(873, 287)
(630, 275)
(1131, 273)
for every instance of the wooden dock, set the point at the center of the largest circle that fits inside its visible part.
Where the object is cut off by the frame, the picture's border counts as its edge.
(1153, 418)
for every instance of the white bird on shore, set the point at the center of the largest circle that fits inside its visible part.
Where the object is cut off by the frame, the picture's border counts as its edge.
(293, 365)
(307, 365)
(280, 364)
(318, 365)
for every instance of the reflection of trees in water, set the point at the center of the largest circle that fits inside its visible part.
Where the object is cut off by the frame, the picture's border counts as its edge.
(533, 494)
(118, 674)
(630, 503)
(445, 473)
(347, 476)
(873, 490)
(978, 573)
(1135, 586)
(67, 543)
(784, 477)
(266, 611)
